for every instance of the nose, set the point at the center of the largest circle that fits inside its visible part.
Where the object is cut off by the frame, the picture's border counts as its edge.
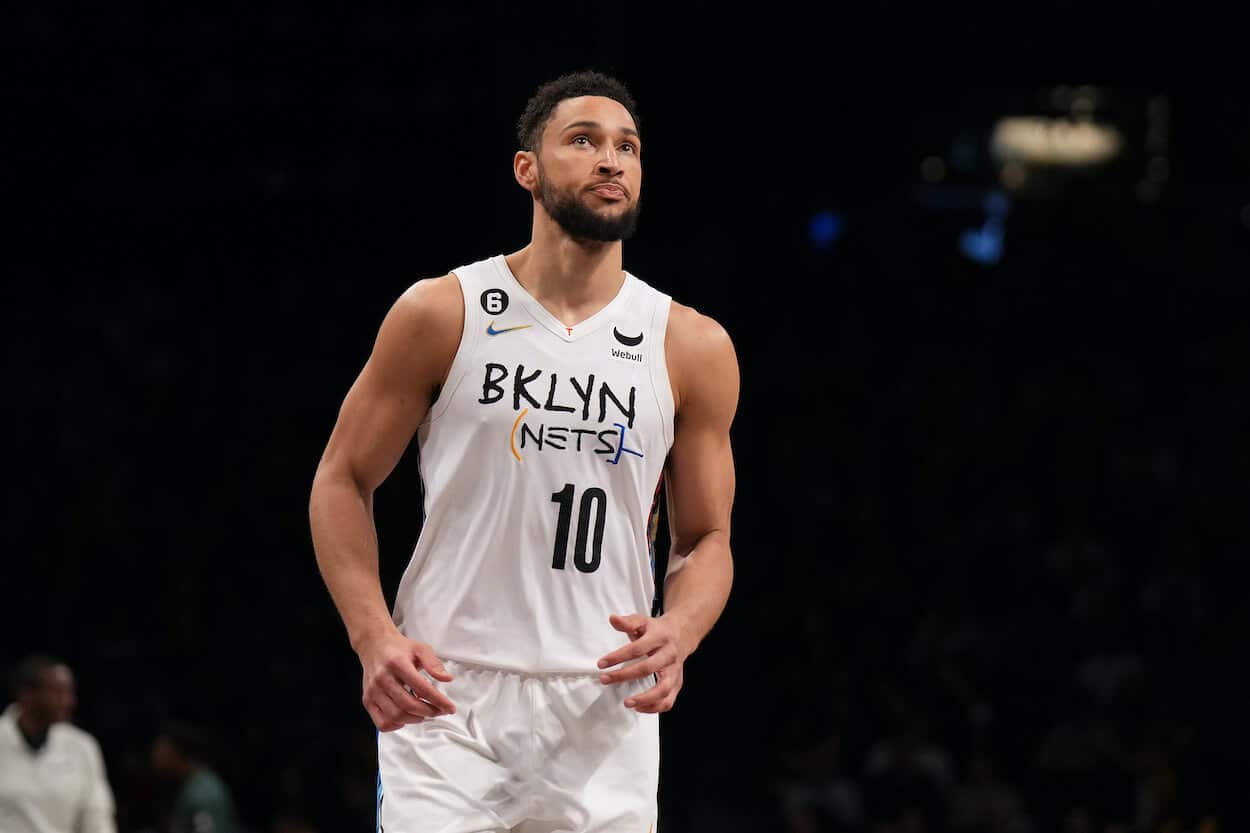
(609, 162)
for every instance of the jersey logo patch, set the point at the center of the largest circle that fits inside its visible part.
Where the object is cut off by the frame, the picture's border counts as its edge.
(494, 301)
(491, 331)
(628, 341)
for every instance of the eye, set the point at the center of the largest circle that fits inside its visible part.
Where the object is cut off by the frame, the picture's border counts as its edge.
(585, 140)
(629, 146)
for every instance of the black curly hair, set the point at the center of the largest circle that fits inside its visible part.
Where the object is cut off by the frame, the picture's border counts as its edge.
(529, 128)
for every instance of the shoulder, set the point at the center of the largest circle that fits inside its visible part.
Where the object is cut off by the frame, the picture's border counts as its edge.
(426, 319)
(70, 735)
(207, 785)
(430, 302)
(701, 356)
(691, 331)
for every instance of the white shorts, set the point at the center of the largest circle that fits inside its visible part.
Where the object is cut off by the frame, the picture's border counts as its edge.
(541, 753)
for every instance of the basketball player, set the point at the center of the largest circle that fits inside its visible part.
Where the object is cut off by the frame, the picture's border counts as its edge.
(517, 683)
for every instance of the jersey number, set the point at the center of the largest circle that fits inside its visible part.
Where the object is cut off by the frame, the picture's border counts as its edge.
(594, 502)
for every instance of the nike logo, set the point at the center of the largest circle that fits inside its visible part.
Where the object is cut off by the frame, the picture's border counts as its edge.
(491, 331)
(628, 341)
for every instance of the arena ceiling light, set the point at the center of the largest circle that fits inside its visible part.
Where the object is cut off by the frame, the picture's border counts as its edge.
(1042, 140)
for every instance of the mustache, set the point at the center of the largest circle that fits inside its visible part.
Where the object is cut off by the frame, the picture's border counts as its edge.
(581, 222)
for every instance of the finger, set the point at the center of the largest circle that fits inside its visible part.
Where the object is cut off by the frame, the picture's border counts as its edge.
(409, 675)
(668, 684)
(636, 671)
(634, 624)
(408, 702)
(392, 710)
(651, 698)
(431, 663)
(428, 692)
(640, 647)
(659, 708)
(403, 698)
(378, 715)
(659, 698)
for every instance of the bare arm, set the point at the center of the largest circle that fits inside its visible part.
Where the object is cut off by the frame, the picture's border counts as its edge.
(703, 370)
(700, 479)
(413, 351)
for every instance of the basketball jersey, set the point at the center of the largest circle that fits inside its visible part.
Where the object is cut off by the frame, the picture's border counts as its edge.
(541, 460)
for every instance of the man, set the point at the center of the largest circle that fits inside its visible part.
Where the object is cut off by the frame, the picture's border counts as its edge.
(52, 777)
(518, 682)
(203, 803)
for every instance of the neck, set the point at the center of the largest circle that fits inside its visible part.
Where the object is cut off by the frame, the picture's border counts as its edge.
(31, 726)
(572, 278)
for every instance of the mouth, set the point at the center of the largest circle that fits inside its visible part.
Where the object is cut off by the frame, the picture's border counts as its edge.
(609, 191)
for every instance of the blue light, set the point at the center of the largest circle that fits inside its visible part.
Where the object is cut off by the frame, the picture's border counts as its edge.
(985, 244)
(824, 229)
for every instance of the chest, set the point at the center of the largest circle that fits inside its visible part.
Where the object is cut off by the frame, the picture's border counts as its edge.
(52, 778)
(590, 402)
(599, 380)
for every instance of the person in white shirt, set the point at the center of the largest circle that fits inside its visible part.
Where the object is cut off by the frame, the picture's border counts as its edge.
(52, 777)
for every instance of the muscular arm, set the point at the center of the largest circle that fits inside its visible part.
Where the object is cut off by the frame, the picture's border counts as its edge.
(703, 371)
(376, 422)
(700, 475)
(412, 353)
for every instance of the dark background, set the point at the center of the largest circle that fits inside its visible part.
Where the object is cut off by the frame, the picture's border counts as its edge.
(991, 502)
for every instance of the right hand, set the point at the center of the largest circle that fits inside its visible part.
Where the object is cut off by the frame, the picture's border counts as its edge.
(396, 693)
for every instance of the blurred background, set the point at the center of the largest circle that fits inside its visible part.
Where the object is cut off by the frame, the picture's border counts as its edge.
(991, 449)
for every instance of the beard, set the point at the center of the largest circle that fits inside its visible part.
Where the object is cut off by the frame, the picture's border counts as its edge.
(581, 222)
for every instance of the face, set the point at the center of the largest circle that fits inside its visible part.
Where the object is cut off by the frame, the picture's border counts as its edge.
(163, 754)
(588, 169)
(54, 698)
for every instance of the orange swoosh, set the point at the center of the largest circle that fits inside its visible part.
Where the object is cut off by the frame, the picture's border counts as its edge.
(512, 439)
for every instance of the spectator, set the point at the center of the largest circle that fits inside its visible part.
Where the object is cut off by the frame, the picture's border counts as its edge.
(203, 803)
(52, 777)
(818, 795)
(908, 778)
(986, 803)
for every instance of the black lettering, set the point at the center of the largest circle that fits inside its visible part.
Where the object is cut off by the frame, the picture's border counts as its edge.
(593, 500)
(491, 384)
(579, 432)
(553, 440)
(551, 396)
(607, 448)
(518, 387)
(584, 394)
(560, 553)
(537, 438)
(605, 393)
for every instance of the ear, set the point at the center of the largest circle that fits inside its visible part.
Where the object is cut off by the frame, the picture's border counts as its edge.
(525, 169)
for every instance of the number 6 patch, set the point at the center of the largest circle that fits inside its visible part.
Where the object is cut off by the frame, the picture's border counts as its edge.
(494, 301)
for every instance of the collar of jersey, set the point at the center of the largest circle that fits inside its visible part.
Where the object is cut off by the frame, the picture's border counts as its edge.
(548, 321)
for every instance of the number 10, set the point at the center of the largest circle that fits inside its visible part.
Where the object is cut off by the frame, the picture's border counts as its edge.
(593, 501)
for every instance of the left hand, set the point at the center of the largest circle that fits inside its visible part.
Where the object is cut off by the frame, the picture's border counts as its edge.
(654, 648)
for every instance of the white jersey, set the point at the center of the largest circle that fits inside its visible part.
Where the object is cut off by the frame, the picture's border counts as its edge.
(541, 461)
